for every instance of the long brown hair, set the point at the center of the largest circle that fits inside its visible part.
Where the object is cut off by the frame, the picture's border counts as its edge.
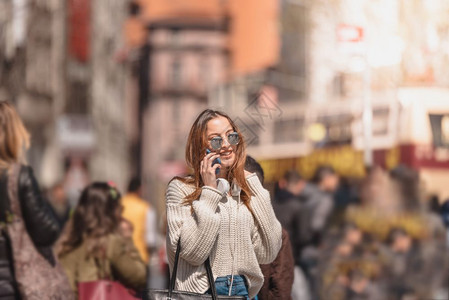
(196, 149)
(97, 215)
(14, 138)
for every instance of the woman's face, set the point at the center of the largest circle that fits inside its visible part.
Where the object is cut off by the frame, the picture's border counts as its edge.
(220, 127)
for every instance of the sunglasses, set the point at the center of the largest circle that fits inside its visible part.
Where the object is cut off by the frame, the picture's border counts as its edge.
(217, 142)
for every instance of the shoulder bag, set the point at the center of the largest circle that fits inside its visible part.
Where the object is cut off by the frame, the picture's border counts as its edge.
(36, 278)
(172, 294)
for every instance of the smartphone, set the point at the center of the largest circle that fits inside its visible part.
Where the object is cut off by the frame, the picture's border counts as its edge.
(216, 161)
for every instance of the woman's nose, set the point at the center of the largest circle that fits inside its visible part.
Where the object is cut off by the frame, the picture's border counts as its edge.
(226, 143)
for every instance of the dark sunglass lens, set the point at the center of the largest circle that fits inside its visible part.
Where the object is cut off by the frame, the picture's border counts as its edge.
(233, 138)
(216, 143)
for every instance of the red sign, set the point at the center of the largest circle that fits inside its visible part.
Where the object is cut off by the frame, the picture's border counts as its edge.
(415, 156)
(79, 29)
(349, 33)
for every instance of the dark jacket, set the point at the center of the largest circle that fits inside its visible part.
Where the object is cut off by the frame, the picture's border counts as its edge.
(287, 208)
(278, 276)
(317, 206)
(40, 224)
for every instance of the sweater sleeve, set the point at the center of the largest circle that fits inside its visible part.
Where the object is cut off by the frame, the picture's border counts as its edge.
(197, 230)
(267, 233)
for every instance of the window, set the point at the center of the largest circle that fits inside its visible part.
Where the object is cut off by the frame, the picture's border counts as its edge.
(289, 131)
(175, 37)
(204, 71)
(440, 130)
(338, 129)
(176, 73)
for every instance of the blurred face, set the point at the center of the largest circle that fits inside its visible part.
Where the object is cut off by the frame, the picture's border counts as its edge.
(353, 236)
(126, 229)
(359, 285)
(296, 188)
(402, 243)
(331, 182)
(344, 249)
(221, 128)
(59, 195)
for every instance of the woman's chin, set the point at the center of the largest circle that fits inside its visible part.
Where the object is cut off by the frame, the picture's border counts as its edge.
(226, 163)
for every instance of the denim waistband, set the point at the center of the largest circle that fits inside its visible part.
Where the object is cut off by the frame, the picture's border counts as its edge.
(226, 280)
(239, 286)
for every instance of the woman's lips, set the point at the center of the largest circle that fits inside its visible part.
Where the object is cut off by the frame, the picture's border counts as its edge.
(226, 155)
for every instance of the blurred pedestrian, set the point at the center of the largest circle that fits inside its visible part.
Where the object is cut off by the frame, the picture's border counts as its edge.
(445, 217)
(406, 184)
(142, 217)
(317, 205)
(361, 287)
(98, 245)
(319, 200)
(433, 218)
(59, 204)
(287, 207)
(401, 256)
(278, 276)
(220, 212)
(76, 179)
(24, 205)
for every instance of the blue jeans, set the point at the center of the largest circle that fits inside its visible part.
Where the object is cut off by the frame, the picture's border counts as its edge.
(239, 286)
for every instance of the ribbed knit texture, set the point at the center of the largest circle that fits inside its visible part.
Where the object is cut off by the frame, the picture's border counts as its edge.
(218, 225)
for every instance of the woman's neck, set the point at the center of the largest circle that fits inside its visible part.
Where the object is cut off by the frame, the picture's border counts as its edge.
(223, 173)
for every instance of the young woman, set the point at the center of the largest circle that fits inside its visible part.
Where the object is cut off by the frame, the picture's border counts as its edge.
(42, 227)
(236, 228)
(96, 247)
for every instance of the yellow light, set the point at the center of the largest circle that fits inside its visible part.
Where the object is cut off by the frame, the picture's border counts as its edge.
(316, 132)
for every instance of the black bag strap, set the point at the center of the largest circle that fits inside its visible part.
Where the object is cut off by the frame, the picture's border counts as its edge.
(210, 276)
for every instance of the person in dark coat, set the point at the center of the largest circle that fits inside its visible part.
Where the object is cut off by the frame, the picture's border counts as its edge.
(287, 207)
(40, 223)
(317, 206)
(59, 204)
(278, 276)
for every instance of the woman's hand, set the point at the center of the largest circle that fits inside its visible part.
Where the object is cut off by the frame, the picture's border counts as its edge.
(207, 171)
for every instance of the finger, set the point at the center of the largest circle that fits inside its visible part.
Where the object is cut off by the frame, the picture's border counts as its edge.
(211, 160)
(204, 161)
(213, 157)
(209, 155)
(204, 167)
(215, 167)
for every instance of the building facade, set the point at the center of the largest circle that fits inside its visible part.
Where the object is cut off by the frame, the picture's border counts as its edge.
(186, 58)
(32, 53)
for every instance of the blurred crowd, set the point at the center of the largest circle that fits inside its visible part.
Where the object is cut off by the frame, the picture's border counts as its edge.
(376, 238)
(379, 237)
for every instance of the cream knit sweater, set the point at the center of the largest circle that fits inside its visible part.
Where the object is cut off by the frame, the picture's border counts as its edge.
(218, 226)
